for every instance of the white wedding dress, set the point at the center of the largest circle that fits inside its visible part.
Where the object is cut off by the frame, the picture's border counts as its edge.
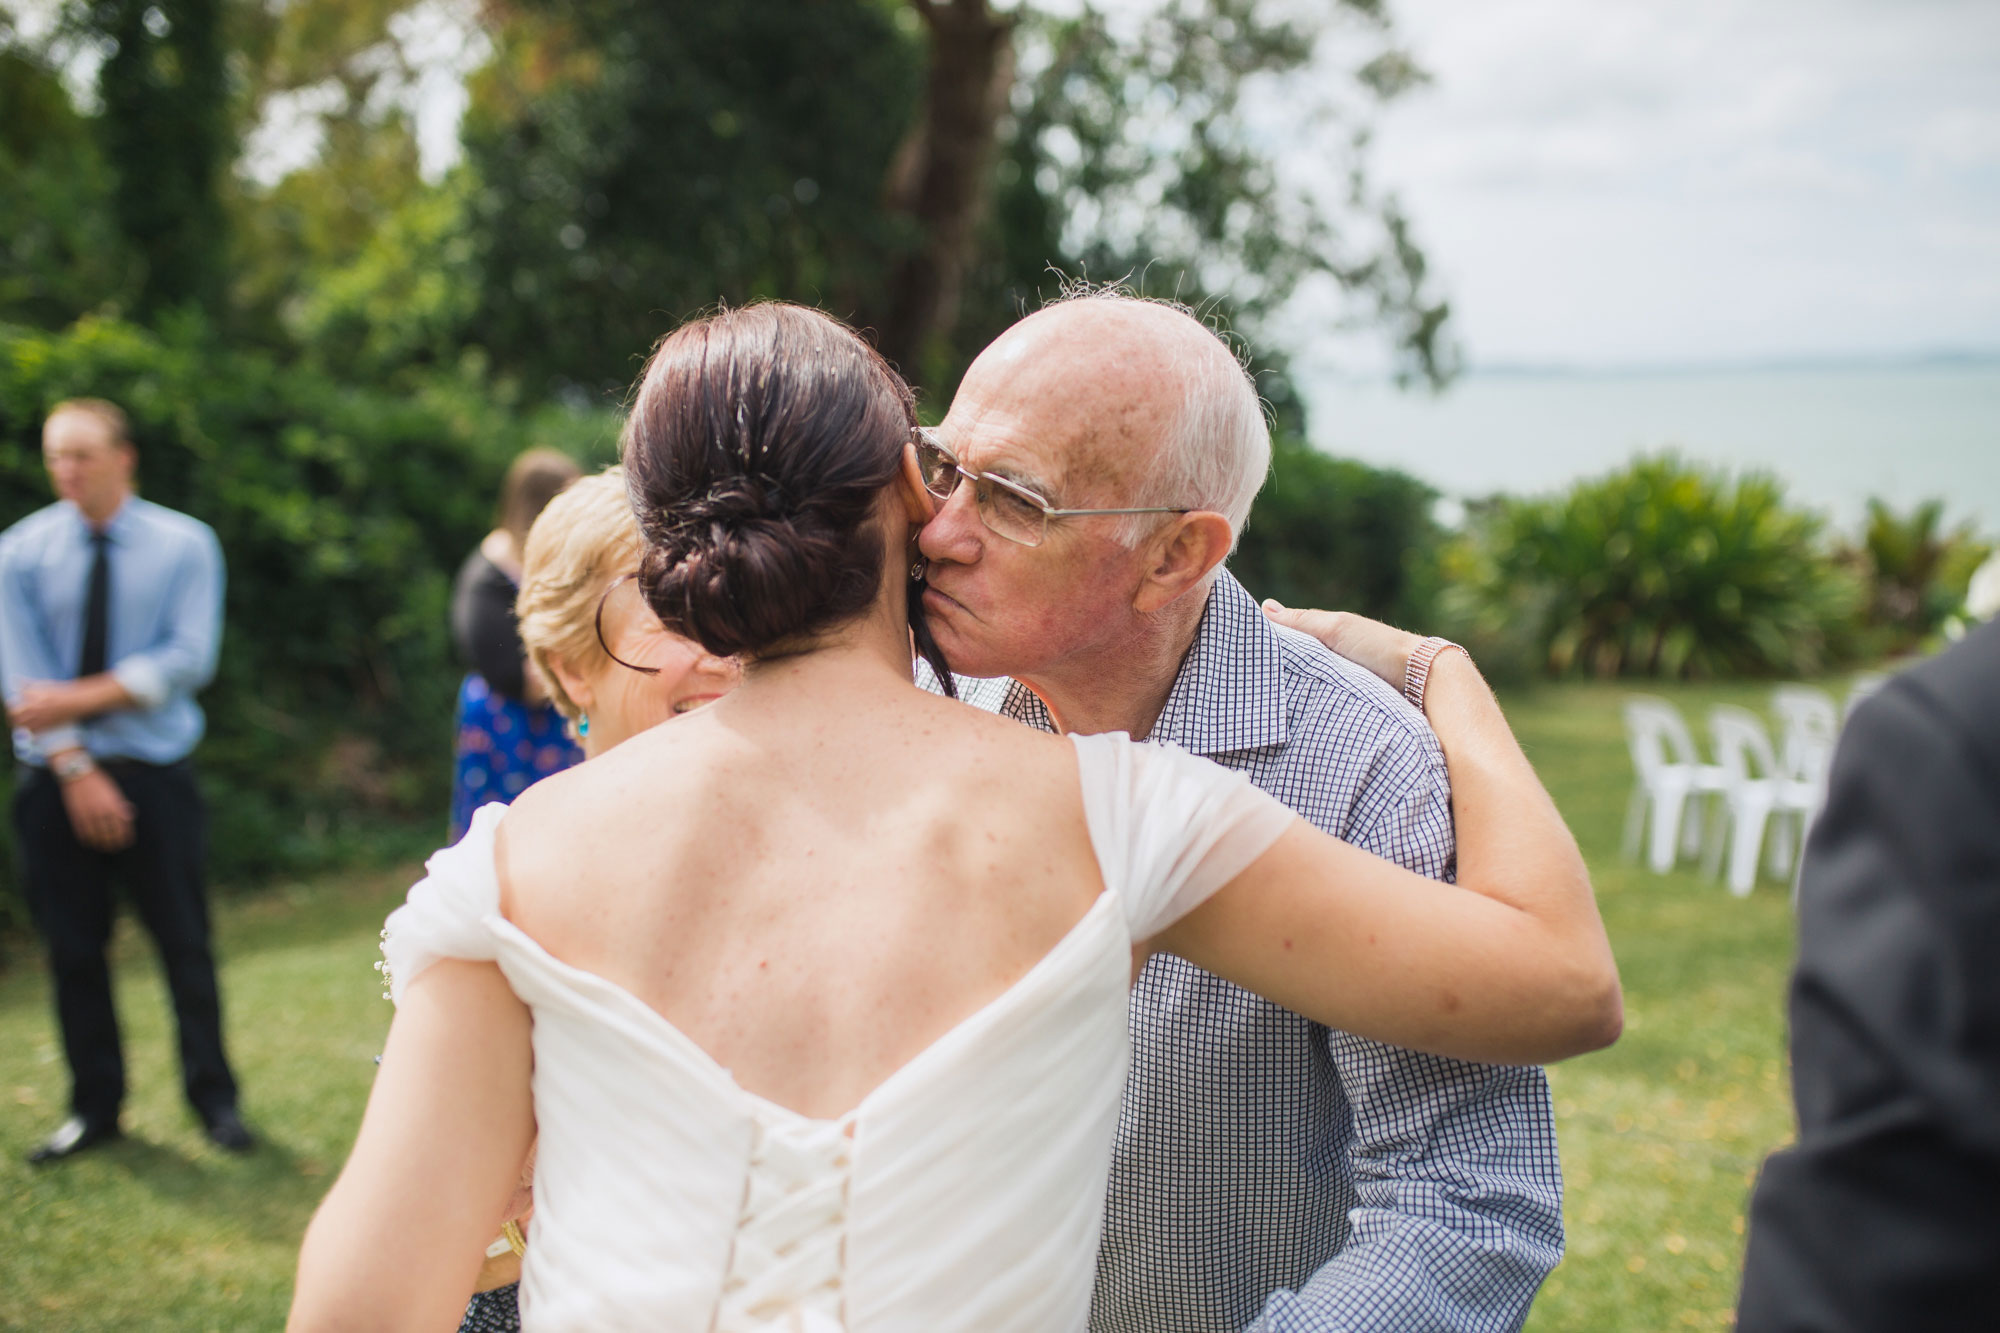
(963, 1193)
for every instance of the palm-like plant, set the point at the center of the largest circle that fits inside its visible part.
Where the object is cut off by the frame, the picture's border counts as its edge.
(1667, 568)
(1917, 573)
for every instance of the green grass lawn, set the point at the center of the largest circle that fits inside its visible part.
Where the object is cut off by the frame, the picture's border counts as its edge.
(1661, 1135)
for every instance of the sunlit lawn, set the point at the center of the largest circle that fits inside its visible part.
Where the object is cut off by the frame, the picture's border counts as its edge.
(1660, 1135)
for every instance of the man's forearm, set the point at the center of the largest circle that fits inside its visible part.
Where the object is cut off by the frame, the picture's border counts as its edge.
(46, 705)
(97, 694)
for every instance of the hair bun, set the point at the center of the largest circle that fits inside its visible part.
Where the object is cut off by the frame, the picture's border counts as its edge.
(760, 446)
(740, 571)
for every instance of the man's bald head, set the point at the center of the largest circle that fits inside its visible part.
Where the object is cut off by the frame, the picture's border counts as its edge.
(1160, 407)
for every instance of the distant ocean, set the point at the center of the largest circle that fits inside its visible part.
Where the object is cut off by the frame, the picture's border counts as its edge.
(1836, 435)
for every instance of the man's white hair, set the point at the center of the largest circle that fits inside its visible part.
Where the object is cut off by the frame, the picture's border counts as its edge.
(1216, 450)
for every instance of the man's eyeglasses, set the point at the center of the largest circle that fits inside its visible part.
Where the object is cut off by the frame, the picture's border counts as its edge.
(1007, 508)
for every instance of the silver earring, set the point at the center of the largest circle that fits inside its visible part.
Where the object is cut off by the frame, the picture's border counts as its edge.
(918, 570)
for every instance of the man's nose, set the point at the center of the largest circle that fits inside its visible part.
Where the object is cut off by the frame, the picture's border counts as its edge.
(954, 533)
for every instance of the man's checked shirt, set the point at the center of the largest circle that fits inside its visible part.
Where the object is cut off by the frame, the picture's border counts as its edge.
(1272, 1174)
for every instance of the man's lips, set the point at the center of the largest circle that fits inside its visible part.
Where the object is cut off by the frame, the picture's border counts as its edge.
(940, 601)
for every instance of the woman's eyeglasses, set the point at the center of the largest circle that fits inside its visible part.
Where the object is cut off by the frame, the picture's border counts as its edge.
(646, 611)
(1007, 508)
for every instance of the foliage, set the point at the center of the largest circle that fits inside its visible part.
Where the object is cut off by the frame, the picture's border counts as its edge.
(1135, 150)
(1916, 574)
(60, 252)
(342, 514)
(639, 161)
(167, 135)
(1330, 532)
(1665, 568)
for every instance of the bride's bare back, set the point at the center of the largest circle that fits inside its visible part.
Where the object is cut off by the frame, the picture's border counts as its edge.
(813, 879)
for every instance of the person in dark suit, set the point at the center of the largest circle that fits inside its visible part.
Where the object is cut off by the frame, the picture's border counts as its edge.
(1886, 1213)
(110, 620)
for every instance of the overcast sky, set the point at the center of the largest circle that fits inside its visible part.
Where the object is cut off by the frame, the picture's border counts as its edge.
(1621, 182)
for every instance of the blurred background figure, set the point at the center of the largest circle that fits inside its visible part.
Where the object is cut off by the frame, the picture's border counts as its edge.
(609, 666)
(110, 620)
(1882, 1216)
(509, 736)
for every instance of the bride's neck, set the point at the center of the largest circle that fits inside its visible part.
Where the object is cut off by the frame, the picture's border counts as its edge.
(871, 651)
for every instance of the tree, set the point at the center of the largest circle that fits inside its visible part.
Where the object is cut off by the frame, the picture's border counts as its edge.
(639, 161)
(60, 253)
(166, 133)
(1131, 148)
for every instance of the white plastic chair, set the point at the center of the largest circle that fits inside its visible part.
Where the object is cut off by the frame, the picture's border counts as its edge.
(1671, 781)
(1809, 725)
(1860, 688)
(1756, 789)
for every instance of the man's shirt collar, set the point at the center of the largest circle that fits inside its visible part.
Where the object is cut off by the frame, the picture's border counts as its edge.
(1229, 693)
(118, 527)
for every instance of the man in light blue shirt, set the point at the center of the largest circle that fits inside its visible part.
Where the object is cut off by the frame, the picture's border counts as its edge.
(110, 619)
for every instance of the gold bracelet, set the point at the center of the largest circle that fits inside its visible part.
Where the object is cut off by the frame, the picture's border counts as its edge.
(515, 1240)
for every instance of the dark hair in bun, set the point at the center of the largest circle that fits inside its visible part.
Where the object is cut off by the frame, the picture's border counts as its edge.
(759, 445)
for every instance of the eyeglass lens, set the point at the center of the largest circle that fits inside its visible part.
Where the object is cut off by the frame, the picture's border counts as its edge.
(1003, 511)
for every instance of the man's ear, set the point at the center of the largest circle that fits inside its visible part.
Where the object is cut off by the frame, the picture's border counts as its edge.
(1180, 556)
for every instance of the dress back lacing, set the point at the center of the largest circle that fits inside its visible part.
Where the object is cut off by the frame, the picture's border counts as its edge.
(786, 1267)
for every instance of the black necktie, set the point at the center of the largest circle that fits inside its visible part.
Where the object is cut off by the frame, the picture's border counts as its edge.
(97, 608)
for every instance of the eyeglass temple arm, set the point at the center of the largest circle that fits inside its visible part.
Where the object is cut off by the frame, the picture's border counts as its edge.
(1150, 509)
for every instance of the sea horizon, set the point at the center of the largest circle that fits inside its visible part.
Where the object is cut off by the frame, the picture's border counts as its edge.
(1837, 431)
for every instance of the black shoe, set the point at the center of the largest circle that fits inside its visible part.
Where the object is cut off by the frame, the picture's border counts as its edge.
(225, 1130)
(72, 1137)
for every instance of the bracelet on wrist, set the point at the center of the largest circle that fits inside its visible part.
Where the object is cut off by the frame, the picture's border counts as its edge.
(1417, 674)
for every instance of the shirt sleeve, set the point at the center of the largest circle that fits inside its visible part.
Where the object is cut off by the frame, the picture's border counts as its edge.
(185, 661)
(446, 913)
(1170, 829)
(25, 650)
(1458, 1217)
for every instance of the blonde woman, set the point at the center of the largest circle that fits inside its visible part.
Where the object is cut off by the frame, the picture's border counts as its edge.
(602, 658)
(608, 664)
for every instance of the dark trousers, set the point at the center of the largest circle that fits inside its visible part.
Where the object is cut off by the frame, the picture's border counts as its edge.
(69, 896)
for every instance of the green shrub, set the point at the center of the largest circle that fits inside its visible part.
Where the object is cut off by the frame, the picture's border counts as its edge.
(1916, 575)
(1669, 569)
(1337, 534)
(342, 514)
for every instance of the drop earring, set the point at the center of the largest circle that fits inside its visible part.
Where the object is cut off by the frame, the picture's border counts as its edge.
(582, 725)
(919, 569)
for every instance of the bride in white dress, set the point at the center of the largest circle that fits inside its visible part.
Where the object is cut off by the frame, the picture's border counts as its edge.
(817, 996)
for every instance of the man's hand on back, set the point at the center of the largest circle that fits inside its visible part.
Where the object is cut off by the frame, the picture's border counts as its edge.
(98, 811)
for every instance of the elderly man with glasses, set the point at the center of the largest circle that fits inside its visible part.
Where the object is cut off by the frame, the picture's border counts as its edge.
(1092, 475)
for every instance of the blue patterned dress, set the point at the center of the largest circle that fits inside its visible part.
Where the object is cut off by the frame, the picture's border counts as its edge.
(504, 747)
